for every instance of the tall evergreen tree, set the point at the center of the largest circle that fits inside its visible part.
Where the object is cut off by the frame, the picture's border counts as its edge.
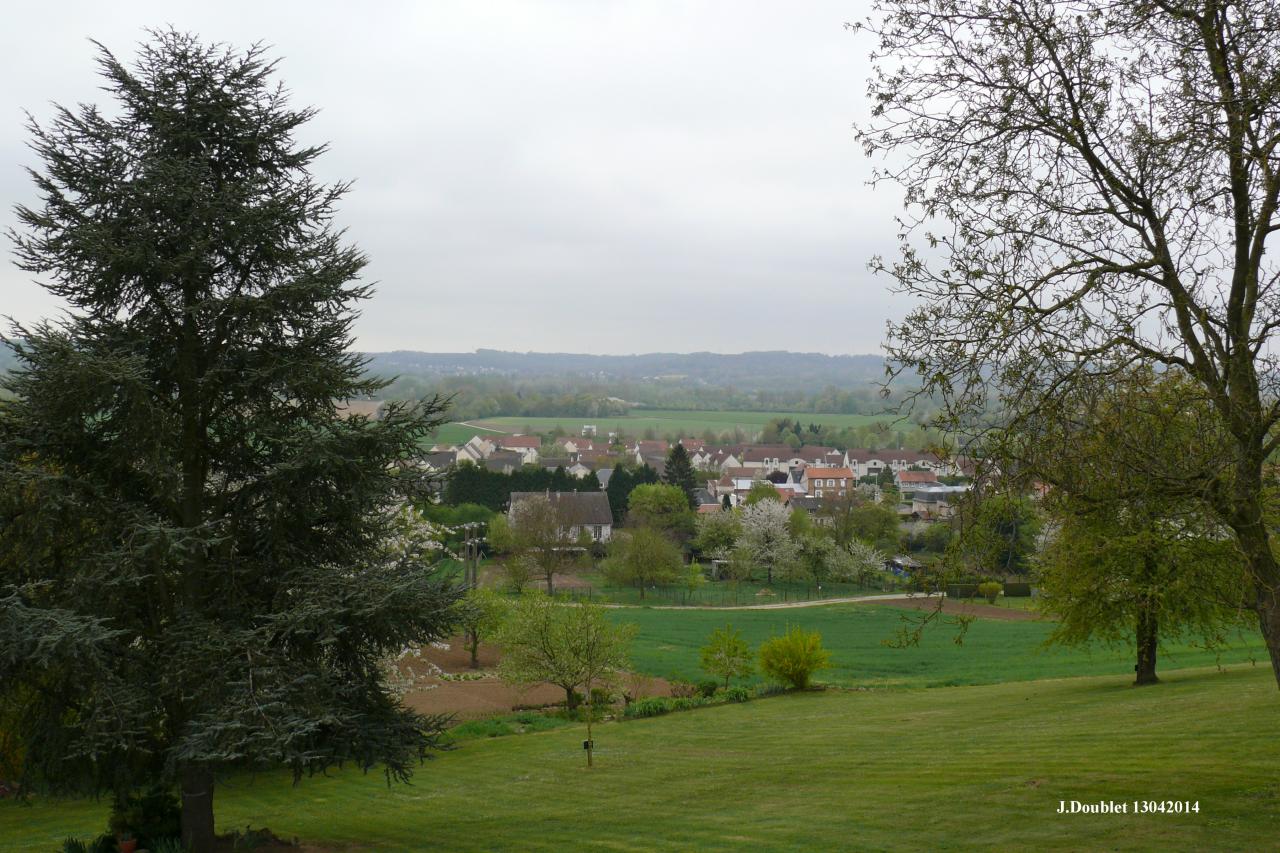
(200, 561)
(680, 472)
(619, 492)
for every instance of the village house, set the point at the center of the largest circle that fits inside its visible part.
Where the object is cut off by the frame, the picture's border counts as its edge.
(908, 482)
(872, 462)
(828, 482)
(579, 511)
(767, 457)
(504, 461)
(526, 445)
(551, 463)
(649, 447)
(438, 460)
(575, 447)
(475, 450)
(715, 459)
(823, 457)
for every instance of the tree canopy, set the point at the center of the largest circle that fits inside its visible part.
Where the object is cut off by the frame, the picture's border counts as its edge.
(642, 557)
(661, 507)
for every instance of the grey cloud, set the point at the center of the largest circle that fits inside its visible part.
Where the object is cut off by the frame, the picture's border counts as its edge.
(622, 177)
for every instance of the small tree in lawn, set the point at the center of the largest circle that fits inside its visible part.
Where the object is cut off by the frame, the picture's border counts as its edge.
(570, 646)
(641, 557)
(726, 655)
(480, 614)
(793, 658)
(541, 537)
(1126, 561)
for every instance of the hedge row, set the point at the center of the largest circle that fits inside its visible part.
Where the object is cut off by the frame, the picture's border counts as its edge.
(659, 705)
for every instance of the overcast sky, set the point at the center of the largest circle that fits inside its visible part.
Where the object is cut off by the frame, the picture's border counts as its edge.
(572, 177)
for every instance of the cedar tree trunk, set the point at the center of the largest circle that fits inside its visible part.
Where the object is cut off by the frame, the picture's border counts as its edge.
(197, 809)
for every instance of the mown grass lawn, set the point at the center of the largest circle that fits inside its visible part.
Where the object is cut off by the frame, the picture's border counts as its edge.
(961, 768)
(669, 641)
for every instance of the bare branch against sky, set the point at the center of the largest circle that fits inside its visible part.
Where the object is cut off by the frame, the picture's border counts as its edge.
(585, 177)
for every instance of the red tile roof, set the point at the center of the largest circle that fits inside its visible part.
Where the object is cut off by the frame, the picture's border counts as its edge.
(814, 473)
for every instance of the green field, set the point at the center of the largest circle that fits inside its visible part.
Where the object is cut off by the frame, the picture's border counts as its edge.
(455, 434)
(957, 769)
(669, 641)
(663, 421)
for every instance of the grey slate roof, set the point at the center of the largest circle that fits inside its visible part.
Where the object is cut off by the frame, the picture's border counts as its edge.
(438, 460)
(702, 496)
(578, 507)
(504, 460)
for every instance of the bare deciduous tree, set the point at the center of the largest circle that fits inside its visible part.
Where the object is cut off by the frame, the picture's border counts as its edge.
(1092, 185)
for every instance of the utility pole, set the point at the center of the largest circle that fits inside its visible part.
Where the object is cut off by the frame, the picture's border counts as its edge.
(471, 554)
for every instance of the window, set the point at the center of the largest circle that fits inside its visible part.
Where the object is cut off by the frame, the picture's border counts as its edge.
(599, 531)
(818, 493)
(831, 482)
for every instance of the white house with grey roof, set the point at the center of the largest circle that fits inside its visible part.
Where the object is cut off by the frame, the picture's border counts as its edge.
(580, 511)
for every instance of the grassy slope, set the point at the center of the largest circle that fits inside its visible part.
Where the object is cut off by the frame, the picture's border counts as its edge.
(668, 645)
(963, 768)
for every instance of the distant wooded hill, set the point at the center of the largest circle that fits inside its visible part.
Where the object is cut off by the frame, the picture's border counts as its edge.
(748, 371)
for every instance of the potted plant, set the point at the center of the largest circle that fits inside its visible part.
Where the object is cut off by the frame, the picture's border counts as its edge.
(126, 843)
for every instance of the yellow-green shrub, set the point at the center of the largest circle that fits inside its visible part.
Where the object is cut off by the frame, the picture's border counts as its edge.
(793, 658)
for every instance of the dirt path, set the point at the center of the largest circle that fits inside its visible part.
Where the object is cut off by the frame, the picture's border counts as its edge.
(787, 605)
(488, 695)
(477, 426)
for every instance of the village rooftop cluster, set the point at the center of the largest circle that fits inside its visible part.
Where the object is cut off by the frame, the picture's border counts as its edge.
(927, 485)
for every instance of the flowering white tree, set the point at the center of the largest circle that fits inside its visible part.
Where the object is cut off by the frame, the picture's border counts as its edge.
(414, 540)
(766, 541)
(862, 560)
